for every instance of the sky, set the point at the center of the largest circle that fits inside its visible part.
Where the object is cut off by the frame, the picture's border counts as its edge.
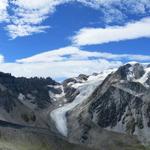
(63, 38)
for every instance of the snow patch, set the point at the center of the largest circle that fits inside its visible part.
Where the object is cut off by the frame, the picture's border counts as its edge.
(130, 75)
(86, 89)
(144, 78)
(57, 97)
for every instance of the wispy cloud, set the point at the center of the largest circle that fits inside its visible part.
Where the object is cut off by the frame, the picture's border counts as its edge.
(67, 62)
(119, 10)
(74, 54)
(24, 30)
(134, 30)
(28, 14)
(3, 10)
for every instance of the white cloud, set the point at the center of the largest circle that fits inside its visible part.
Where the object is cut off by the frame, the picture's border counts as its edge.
(67, 62)
(32, 4)
(3, 10)
(74, 54)
(24, 30)
(1, 59)
(62, 54)
(119, 10)
(28, 16)
(58, 70)
(33, 13)
(134, 30)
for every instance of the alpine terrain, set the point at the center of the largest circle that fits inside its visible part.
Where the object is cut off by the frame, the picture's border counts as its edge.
(109, 110)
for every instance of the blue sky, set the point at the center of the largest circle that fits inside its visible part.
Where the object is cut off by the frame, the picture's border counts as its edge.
(108, 27)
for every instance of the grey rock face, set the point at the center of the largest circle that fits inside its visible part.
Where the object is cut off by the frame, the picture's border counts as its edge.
(35, 89)
(24, 114)
(83, 77)
(119, 104)
(113, 104)
(136, 71)
(115, 116)
(21, 99)
(71, 92)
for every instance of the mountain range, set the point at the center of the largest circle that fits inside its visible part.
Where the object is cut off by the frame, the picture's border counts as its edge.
(109, 110)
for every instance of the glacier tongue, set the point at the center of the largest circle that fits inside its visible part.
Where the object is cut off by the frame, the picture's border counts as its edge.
(59, 115)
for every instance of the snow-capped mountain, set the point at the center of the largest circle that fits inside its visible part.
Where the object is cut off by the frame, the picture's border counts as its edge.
(115, 100)
(77, 90)
(103, 111)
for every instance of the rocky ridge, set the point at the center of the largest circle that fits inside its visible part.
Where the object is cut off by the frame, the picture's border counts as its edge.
(84, 112)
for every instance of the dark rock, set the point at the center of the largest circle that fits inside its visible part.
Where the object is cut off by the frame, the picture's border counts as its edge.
(83, 77)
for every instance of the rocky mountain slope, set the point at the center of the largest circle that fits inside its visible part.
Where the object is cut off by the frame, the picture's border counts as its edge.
(104, 111)
(23, 115)
(111, 105)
